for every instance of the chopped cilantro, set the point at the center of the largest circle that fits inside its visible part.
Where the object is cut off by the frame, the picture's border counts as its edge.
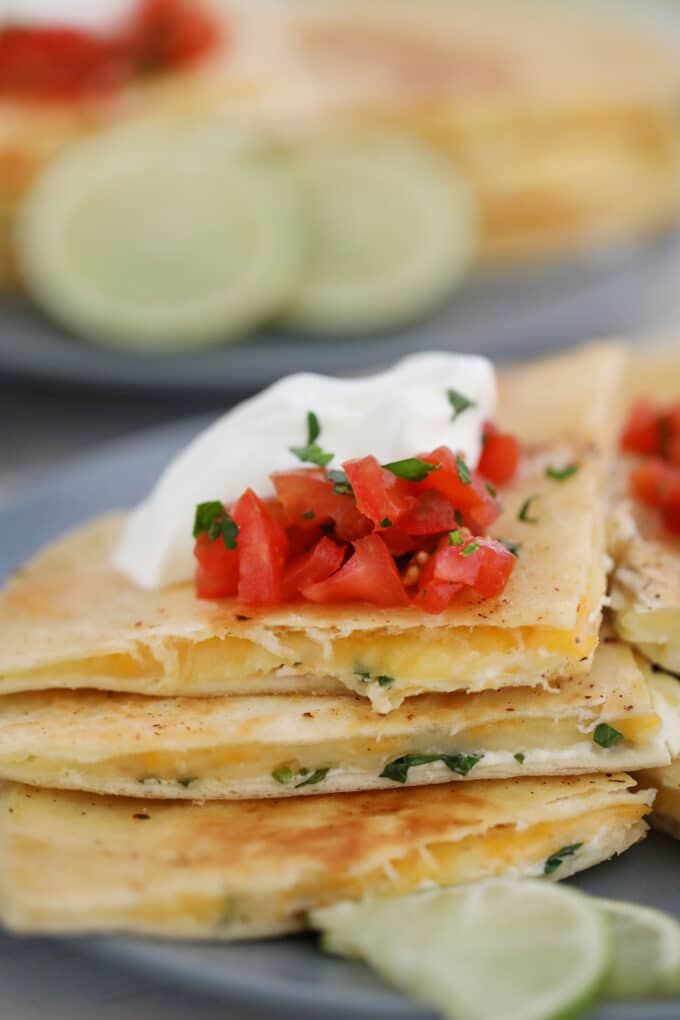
(561, 474)
(606, 736)
(456, 537)
(463, 470)
(383, 680)
(459, 402)
(513, 547)
(491, 489)
(553, 862)
(519, 757)
(341, 485)
(412, 468)
(525, 511)
(386, 523)
(282, 774)
(308, 515)
(470, 549)
(316, 777)
(212, 519)
(312, 452)
(461, 764)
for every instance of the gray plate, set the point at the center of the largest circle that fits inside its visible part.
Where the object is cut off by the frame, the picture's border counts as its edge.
(289, 976)
(509, 314)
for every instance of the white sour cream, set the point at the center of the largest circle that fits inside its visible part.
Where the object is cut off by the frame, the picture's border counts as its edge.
(90, 15)
(397, 413)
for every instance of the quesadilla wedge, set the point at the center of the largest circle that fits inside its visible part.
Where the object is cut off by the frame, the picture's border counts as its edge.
(70, 862)
(69, 619)
(645, 583)
(665, 782)
(274, 746)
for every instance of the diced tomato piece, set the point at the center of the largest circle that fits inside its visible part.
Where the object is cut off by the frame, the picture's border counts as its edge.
(432, 514)
(471, 497)
(451, 564)
(369, 575)
(671, 518)
(170, 33)
(432, 595)
(641, 433)
(217, 568)
(380, 495)
(263, 546)
(309, 501)
(500, 456)
(398, 542)
(479, 564)
(496, 563)
(54, 62)
(655, 482)
(316, 565)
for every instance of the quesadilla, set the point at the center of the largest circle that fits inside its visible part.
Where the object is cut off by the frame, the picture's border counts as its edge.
(665, 782)
(68, 619)
(274, 746)
(645, 583)
(71, 862)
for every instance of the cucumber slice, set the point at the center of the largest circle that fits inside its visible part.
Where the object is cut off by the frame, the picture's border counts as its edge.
(162, 238)
(393, 231)
(521, 950)
(646, 951)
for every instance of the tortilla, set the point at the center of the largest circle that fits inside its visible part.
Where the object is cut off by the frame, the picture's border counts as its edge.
(300, 744)
(70, 862)
(69, 620)
(665, 782)
(645, 584)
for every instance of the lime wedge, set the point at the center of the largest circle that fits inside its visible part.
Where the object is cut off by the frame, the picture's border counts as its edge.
(393, 231)
(162, 238)
(521, 950)
(646, 947)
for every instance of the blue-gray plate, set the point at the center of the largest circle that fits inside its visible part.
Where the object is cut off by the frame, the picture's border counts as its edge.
(289, 976)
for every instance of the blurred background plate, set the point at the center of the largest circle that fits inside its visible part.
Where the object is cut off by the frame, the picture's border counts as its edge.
(519, 312)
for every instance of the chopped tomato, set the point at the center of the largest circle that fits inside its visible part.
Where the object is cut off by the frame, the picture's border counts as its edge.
(380, 495)
(500, 455)
(309, 500)
(480, 564)
(432, 514)
(432, 595)
(470, 497)
(263, 546)
(641, 432)
(58, 63)
(398, 542)
(169, 33)
(316, 565)
(217, 569)
(369, 575)
(656, 483)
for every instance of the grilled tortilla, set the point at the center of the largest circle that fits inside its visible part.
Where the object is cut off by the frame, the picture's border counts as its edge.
(71, 862)
(69, 619)
(274, 746)
(645, 584)
(665, 782)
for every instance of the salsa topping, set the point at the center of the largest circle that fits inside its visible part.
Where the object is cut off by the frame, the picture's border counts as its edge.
(58, 62)
(653, 434)
(408, 532)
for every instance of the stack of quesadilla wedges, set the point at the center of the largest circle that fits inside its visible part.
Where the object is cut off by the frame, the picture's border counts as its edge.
(189, 768)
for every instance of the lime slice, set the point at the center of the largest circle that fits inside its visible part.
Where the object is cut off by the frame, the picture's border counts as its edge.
(160, 238)
(521, 950)
(393, 231)
(646, 951)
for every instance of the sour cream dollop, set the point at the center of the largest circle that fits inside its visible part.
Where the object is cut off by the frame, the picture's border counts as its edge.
(394, 414)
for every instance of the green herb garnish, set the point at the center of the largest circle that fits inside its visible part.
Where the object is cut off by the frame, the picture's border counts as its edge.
(312, 452)
(341, 484)
(412, 468)
(491, 489)
(519, 757)
(282, 774)
(513, 547)
(456, 537)
(463, 470)
(561, 474)
(386, 523)
(308, 515)
(316, 777)
(459, 403)
(470, 549)
(553, 862)
(461, 764)
(606, 736)
(383, 680)
(525, 510)
(212, 519)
